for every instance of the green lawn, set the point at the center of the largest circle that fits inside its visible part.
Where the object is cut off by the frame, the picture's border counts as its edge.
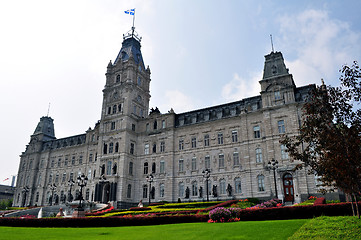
(330, 228)
(234, 230)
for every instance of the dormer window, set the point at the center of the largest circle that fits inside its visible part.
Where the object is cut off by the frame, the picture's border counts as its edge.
(277, 95)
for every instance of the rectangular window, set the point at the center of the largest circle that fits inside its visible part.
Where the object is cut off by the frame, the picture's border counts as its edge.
(206, 140)
(52, 163)
(221, 160)
(162, 146)
(161, 167)
(257, 132)
(146, 148)
(258, 155)
(111, 147)
(80, 159)
(284, 154)
(131, 148)
(71, 176)
(207, 162)
(130, 168)
(64, 177)
(59, 162)
(181, 144)
(277, 95)
(133, 127)
(145, 191)
(90, 157)
(181, 165)
(220, 138)
(234, 136)
(181, 190)
(163, 123)
(281, 126)
(73, 160)
(261, 183)
(194, 163)
(109, 168)
(66, 162)
(194, 142)
(147, 127)
(112, 127)
(235, 159)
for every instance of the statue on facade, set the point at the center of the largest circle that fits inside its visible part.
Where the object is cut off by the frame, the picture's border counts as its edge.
(229, 190)
(187, 192)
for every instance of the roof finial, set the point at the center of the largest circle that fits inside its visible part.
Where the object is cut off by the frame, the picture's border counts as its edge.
(271, 42)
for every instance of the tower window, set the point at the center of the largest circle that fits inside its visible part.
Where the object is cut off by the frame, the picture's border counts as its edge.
(118, 78)
(277, 95)
(155, 125)
(114, 109)
(281, 126)
(109, 110)
(119, 107)
(131, 148)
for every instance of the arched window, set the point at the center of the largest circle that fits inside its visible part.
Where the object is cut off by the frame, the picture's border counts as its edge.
(154, 148)
(111, 146)
(161, 190)
(129, 191)
(105, 148)
(114, 109)
(109, 167)
(145, 168)
(153, 167)
(260, 179)
(145, 191)
(119, 107)
(237, 185)
(155, 125)
(116, 147)
(118, 78)
(194, 188)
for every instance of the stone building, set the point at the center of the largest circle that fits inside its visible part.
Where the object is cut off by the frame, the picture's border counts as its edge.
(234, 141)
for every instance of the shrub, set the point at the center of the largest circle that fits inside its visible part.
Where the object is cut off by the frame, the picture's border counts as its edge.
(139, 208)
(220, 214)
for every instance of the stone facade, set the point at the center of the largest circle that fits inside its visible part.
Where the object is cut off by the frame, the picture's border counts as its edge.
(235, 141)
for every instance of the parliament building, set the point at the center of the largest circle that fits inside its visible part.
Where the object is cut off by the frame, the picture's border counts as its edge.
(135, 153)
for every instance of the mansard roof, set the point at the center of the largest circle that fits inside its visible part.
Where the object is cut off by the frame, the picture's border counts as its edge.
(130, 47)
(64, 142)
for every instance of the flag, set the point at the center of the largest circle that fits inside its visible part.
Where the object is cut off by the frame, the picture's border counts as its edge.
(6, 179)
(130, 11)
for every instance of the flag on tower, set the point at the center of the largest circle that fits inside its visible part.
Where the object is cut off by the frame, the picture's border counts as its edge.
(6, 179)
(130, 11)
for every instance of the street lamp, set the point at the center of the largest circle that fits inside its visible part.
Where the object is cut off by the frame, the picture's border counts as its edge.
(273, 165)
(82, 181)
(52, 189)
(206, 175)
(150, 180)
(71, 184)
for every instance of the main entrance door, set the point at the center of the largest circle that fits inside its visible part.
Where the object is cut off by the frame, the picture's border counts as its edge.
(288, 187)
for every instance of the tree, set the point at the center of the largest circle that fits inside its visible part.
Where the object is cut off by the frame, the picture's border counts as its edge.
(329, 141)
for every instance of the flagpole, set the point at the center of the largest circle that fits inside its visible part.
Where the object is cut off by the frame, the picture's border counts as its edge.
(133, 23)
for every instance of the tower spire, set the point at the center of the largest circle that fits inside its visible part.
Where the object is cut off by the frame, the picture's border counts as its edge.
(271, 42)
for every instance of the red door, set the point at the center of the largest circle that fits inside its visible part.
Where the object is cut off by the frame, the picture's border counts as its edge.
(288, 187)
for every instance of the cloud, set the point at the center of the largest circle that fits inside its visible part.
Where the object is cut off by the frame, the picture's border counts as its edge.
(178, 101)
(239, 88)
(322, 45)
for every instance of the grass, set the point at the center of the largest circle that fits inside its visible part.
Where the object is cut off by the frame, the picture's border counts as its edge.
(233, 230)
(330, 228)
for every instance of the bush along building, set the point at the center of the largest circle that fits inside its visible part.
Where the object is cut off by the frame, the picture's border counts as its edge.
(134, 154)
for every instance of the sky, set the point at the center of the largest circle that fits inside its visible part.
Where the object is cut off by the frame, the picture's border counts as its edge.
(201, 53)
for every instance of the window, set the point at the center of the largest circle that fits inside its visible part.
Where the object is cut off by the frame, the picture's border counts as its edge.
(284, 154)
(51, 178)
(222, 186)
(220, 138)
(51, 165)
(90, 157)
(162, 146)
(237, 185)
(194, 163)
(71, 176)
(39, 180)
(112, 127)
(114, 109)
(139, 81)
(105, 148)
(87, 194)
(64, 177)
(119, 107)
(135, 110)
(181, 189)
(258, 155)
(89, 174)
(129, 191)
(147, 127)
(281, 126)
(145, 169)
(118, 78)
(65, 161)
(234, 136)
(181, 165)
(80, 159)
(257, 132)
(277, 95)
(194, 188)
(116, 147)
(154, 148)
(181, 144)
(73, 160)
(155, 125)
(145, 191)
(161, 190)
(42, 162)
(163, 123)
(235, 159)
(130, 168)
(131, 148)
(161, 167)
(194, 142)
(221, 160)
(109, 167)
(206, 140)
(146, 148)
(59, 162)
(260, 183)
(153, 167)
(111, 146)
(109, 110)
(133, 127)
(207, 162)
(37, 197)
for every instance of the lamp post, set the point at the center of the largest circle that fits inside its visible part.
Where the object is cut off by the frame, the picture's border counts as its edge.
(52, 189)
(82, 181)
(273, 165)
(71, 184)
(150, 180)
(206, 175)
